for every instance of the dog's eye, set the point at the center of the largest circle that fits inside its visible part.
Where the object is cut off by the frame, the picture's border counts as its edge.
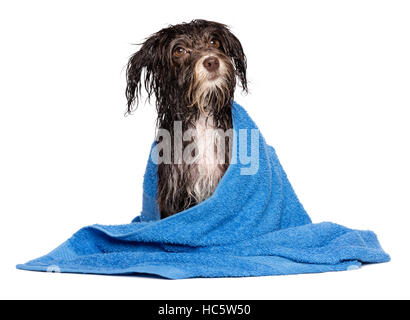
(214, 43)
(179, 52)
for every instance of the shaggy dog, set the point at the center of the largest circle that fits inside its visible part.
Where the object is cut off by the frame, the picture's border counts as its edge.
(191, 69)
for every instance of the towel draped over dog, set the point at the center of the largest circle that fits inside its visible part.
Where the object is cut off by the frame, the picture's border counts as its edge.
(252, 225)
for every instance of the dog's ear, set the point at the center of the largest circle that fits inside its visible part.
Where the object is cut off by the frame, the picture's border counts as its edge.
(143, 59)
(233, 48)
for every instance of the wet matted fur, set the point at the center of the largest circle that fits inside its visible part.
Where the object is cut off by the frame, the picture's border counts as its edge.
(191, 69)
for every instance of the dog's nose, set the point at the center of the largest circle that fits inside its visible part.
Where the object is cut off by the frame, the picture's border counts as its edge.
(211, 64)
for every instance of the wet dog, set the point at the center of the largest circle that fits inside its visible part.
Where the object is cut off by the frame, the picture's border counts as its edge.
(191, 69)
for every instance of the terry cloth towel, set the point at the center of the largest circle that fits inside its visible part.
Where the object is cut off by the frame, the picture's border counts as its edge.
(253, 225)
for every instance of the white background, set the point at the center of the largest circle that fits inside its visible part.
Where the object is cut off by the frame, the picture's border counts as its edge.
(329, 89)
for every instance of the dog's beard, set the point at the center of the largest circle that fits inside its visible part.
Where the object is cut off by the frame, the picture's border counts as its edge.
(209, 92)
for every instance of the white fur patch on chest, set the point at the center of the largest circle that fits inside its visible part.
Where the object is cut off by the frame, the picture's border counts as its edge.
(207, 165)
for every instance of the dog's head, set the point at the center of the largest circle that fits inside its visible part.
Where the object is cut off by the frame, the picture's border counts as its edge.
(189, 66)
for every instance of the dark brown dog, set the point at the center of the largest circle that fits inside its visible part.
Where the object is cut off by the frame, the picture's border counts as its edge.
(191, 69)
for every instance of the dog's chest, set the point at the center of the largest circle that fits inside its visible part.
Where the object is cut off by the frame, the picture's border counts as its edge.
(208, 167)
(207, 140)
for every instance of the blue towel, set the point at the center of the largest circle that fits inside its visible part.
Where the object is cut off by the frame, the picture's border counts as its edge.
(253, 225)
